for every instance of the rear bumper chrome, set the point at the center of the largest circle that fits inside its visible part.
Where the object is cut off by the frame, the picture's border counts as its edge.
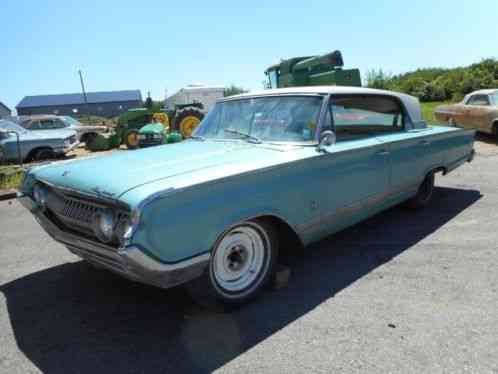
(129, 262)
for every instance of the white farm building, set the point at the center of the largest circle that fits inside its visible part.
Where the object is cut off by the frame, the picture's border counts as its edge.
(195, 93)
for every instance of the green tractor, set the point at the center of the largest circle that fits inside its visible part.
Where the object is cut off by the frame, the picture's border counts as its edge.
(312, 71)
(182, 119)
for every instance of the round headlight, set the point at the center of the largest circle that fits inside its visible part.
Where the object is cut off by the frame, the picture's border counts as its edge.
(104, 224)
(123, 229)
(40, 195)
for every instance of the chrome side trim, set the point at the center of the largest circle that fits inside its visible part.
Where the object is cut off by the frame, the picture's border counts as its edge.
(366, 203)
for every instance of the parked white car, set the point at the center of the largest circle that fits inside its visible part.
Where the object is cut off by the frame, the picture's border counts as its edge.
(84, 133)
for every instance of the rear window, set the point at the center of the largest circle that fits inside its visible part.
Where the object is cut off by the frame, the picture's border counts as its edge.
(478, 100)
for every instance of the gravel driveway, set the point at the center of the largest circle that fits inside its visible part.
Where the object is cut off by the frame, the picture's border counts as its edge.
(402, 292)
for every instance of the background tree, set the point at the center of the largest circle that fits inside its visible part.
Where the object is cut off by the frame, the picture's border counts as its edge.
(233, 90)
(437, 84)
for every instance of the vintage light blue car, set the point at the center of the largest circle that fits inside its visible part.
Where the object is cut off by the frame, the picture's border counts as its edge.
(33, 145)
(262, 168)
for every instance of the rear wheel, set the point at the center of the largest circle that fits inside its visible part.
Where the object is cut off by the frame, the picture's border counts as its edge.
(131, 139)
(187, 120)
(242, 263)
(424, 193)
(42, 154)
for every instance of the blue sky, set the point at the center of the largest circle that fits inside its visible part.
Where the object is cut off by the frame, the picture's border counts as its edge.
(157, 45)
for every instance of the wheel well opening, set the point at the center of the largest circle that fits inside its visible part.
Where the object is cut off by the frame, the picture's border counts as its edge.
(32, 153)
(289, 241)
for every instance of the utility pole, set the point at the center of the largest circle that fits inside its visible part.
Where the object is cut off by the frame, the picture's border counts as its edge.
(84, 95)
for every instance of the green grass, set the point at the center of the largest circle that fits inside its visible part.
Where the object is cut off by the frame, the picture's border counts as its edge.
(10, 177)
(428, 111)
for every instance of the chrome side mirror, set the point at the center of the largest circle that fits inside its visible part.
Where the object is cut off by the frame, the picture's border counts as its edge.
(327, 138)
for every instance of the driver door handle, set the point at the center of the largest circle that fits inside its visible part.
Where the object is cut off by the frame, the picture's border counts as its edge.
(384, 152)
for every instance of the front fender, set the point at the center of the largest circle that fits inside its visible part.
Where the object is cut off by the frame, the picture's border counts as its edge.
(186, 224)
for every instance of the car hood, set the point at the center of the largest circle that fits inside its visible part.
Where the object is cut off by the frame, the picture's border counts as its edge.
(122, 171)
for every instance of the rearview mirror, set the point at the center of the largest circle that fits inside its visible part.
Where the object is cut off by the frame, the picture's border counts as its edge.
(327, 138)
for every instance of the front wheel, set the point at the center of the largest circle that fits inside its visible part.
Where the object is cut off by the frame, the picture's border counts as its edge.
(242, 262)
(424, 193)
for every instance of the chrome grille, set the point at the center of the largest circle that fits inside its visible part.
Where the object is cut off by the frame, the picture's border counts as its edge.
(78, 210)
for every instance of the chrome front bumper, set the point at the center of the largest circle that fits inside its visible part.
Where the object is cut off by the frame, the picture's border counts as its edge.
(129, 262)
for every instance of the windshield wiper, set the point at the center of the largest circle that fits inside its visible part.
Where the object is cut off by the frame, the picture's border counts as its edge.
(251, 138)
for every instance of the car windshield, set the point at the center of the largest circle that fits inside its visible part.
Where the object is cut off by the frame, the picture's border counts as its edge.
(70, 120)
(11, 126)
(270, 119)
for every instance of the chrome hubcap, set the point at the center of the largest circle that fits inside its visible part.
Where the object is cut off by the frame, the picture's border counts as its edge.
(239, 258)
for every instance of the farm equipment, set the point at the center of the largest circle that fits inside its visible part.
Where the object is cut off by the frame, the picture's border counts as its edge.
(312, 71)
(183, 119)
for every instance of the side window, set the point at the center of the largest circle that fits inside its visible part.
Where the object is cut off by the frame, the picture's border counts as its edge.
(481, 100)
(35, 125)
(46, 124)
(58, 124)
(359, 116)
(50, 124)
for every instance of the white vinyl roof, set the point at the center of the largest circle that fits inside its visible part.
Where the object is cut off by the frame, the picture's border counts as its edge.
(489, 91)
(411, 103)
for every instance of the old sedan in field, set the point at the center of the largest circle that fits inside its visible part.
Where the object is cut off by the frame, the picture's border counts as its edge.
(84, 133)
(478, 110)
(261, 169)
(17, 142)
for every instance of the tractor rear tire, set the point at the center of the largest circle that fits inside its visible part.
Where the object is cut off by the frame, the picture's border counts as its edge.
(187, 120)
(131, 139)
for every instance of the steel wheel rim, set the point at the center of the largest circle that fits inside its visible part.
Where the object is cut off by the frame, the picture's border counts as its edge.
(240, 259)
(188, 125)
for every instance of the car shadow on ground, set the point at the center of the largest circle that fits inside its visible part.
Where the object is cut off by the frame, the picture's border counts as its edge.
(74, 318)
